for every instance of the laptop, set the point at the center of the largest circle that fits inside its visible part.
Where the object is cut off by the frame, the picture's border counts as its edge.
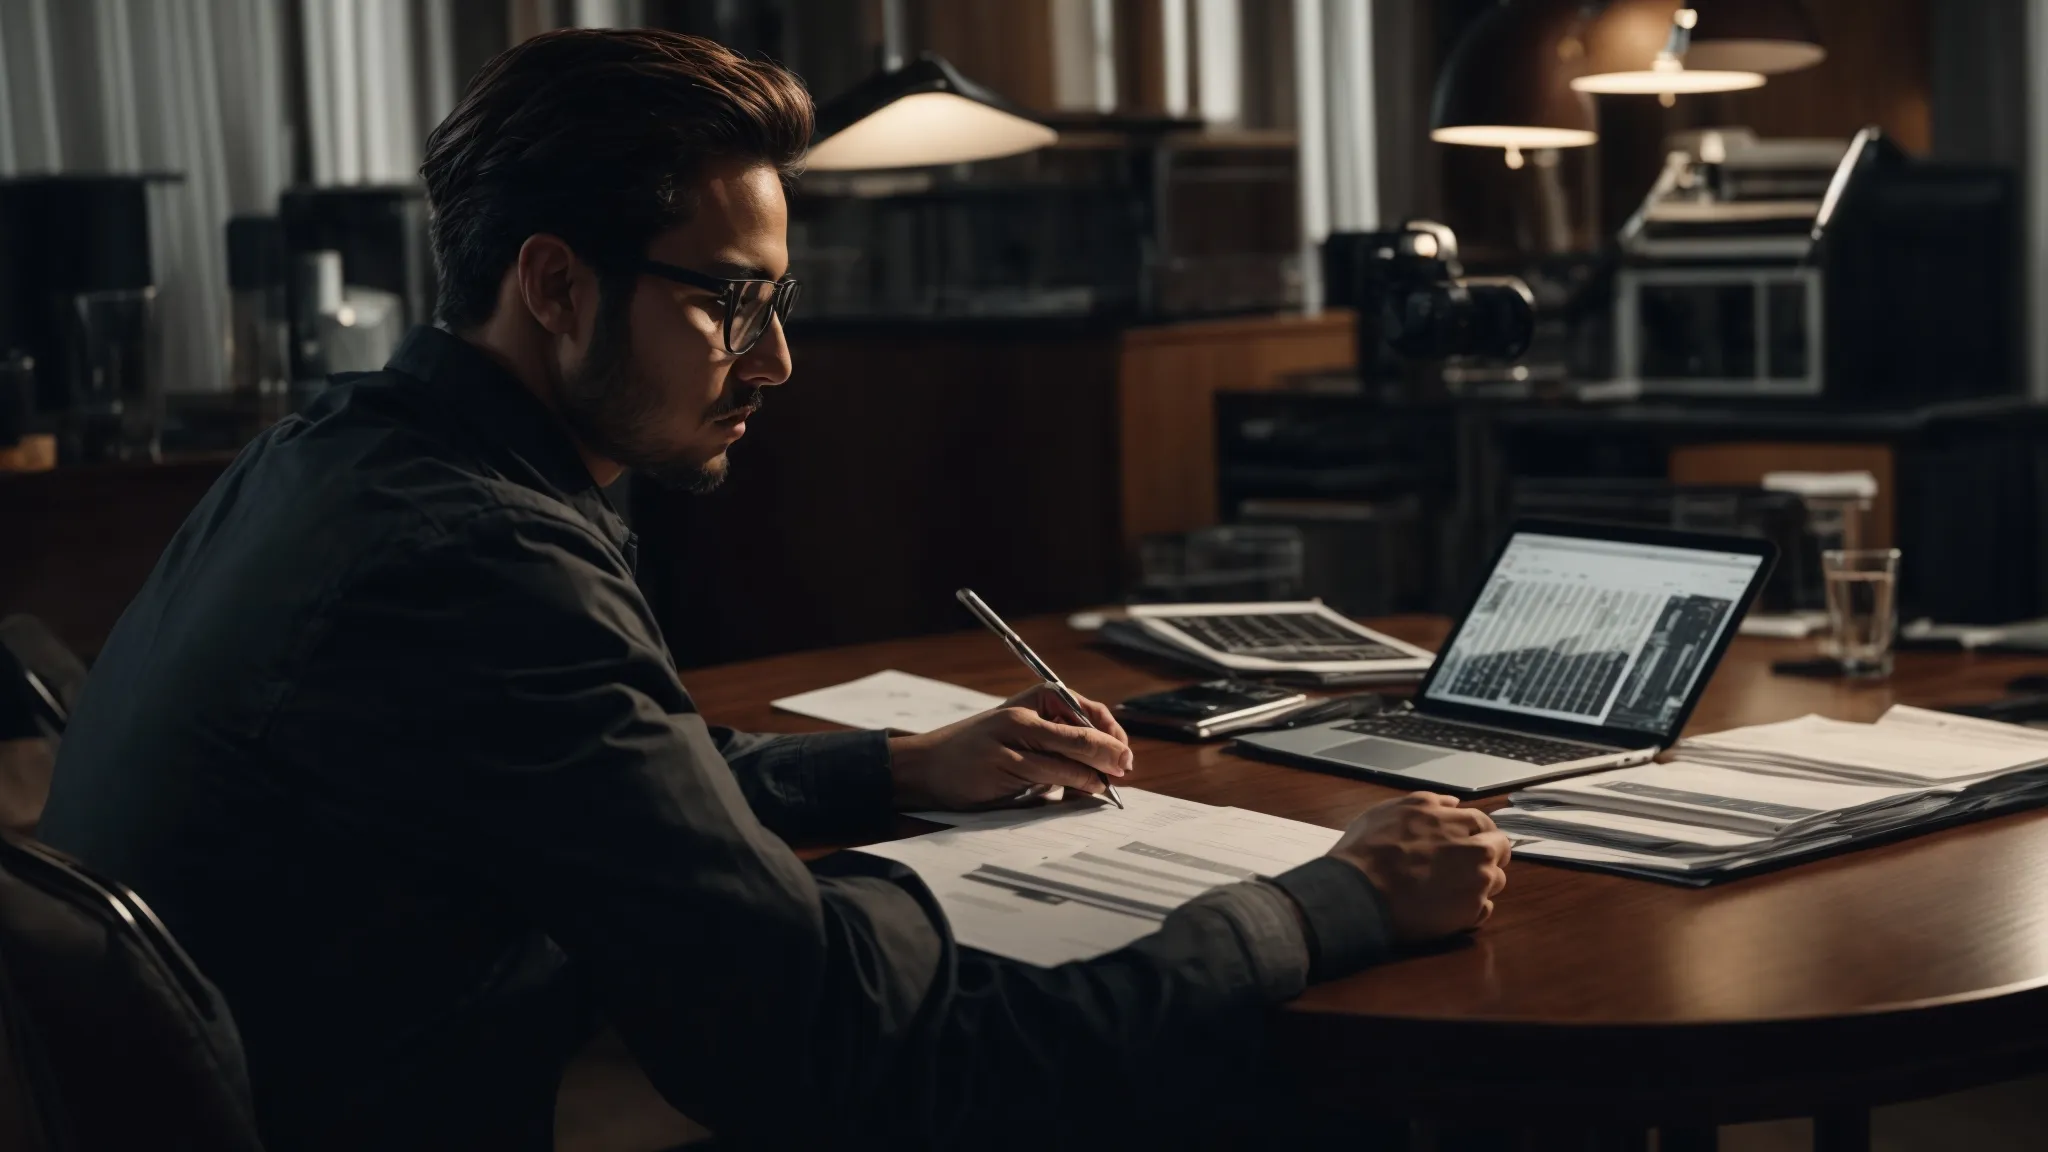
(1586, 647)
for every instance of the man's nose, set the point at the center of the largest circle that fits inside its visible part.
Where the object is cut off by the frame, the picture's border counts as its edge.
(767, 363)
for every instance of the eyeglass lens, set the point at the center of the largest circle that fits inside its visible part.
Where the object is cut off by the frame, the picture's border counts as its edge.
(755, 303)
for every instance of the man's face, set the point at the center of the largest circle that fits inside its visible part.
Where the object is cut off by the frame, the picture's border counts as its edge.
(656, 391)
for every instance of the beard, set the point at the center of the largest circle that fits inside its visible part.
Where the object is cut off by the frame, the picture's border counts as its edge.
(615, 410)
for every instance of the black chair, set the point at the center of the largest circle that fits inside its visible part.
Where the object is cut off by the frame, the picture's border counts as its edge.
(110, 1038)
(49, 674)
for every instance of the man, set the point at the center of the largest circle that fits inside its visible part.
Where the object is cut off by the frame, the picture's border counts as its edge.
(392, 741)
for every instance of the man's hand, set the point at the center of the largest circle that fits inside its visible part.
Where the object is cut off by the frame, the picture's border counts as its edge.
(1025, 751)
(1439, 866)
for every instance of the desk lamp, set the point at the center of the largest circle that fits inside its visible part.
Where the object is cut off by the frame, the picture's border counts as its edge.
(1674, 47)
(1504, 85)
(921, 113)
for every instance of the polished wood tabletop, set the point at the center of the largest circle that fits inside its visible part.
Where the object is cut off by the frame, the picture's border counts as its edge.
(1886, 973)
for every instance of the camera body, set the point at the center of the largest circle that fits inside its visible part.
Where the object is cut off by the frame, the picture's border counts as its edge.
(1415, 303)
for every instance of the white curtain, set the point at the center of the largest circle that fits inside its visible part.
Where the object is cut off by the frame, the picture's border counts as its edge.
(188, 86)
(1084, 55)
(1335, 127)
(379, 76)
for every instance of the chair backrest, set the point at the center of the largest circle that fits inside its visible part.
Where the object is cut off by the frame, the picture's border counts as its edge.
(51, 674)
(109, 1035)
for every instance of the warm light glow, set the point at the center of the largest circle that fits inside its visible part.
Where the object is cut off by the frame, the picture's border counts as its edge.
(1769, 57)
(1682, 81)
(1513, 157)
(1513, 136)
(928, 128)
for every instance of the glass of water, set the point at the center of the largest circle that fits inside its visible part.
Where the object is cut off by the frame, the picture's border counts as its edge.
(1863, 587)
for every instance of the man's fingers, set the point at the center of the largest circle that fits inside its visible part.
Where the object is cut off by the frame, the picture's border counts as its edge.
(1098, 750)
(1030, 796)
(1100, 715)
(1496, 879)
(1041, 768)
(1470, 821)
(1485, 912)
(1097, 714)
(1498, 847)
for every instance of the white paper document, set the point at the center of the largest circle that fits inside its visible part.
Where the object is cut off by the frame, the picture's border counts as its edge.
(1022, 926)
(1075, 880)
(1151, 874)
(891, 700)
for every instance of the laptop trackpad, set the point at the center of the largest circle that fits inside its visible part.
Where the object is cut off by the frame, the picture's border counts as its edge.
(1384, 755)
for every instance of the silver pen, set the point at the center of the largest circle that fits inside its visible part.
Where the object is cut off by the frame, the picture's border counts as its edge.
(987, 615)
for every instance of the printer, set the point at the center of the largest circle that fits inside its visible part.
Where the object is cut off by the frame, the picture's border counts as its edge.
(1841, 272)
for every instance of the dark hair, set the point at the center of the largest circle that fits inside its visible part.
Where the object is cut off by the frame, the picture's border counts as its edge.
(596, 137)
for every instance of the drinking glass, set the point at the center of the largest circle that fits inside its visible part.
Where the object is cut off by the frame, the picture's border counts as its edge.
(1862, 586)
(117, 400)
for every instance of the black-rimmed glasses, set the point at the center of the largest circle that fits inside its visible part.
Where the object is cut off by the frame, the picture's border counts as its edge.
(748, 303)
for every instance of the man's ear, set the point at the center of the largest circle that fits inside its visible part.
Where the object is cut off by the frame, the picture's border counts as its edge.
(552, 282)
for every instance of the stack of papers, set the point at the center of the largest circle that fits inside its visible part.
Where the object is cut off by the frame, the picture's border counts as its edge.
(1750, 798)
(1075, 880)
(1906, 746)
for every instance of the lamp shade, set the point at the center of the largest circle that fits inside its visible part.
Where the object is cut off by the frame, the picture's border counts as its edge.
(1723, 45)
(1767, 36)
(920, 114)
(1506, 84)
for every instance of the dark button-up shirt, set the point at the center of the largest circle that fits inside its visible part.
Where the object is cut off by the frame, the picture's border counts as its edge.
(391, 741)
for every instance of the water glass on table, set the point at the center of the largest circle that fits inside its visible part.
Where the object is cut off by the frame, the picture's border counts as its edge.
(1862, 587)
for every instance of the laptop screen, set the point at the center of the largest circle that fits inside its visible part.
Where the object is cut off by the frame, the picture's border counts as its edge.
(1603, 632)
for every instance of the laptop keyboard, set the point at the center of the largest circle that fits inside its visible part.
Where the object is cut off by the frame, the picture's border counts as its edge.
(1290, 636)
(1465, 738)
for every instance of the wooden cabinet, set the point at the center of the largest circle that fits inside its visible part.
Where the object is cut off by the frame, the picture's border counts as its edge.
(904, 460)
(1167, 381)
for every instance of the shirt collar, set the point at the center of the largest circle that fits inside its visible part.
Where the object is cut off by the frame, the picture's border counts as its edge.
(478, 391)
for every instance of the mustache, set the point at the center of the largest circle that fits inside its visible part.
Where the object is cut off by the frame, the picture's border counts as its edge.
(750, 398)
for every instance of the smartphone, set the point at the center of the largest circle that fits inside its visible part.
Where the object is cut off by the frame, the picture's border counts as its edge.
(1211, 708)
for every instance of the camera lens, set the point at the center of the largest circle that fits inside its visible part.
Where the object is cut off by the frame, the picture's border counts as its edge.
(1491, 317)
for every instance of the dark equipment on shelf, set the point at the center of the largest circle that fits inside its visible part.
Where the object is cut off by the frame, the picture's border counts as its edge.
(1414, 300)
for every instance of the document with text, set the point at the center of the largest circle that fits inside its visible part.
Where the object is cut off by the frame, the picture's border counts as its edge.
(1079, 879)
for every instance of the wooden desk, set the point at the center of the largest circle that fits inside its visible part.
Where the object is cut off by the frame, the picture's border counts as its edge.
(1890, 973)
